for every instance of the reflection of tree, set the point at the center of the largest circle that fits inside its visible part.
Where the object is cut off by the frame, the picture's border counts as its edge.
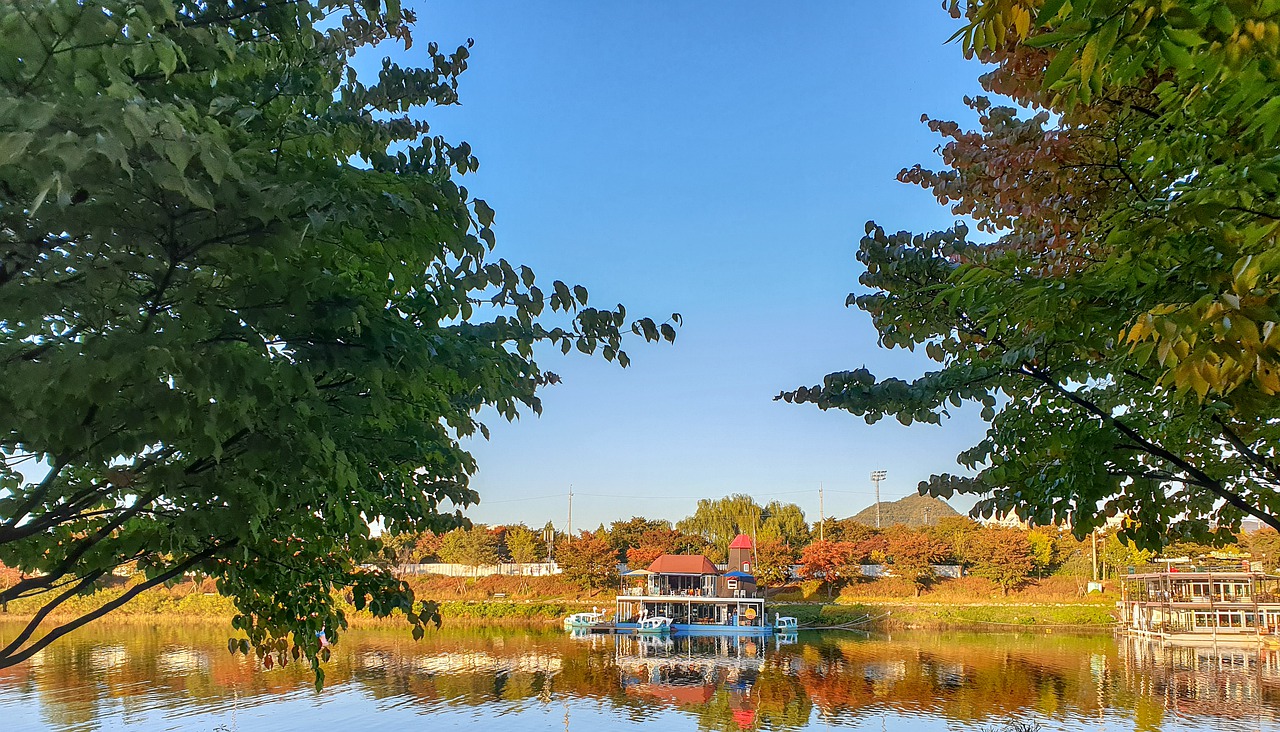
(970, 678)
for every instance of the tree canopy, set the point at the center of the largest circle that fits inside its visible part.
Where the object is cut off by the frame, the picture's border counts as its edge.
(1110, 305)
(246, 308)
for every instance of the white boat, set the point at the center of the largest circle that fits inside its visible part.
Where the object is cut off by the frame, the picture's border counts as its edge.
(786, 624)
(654, 626)
(583, 620)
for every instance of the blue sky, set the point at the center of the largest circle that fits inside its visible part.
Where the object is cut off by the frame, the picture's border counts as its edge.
(717, 159)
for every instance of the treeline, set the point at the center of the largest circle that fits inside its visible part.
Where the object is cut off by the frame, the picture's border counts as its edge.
(787, 545)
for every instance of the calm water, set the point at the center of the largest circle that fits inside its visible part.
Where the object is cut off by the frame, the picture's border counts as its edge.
(172, 678)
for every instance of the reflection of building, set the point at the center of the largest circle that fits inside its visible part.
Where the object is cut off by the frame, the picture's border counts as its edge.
(1201, 606)
(689, 672)
(1194, 680)
(691, 591)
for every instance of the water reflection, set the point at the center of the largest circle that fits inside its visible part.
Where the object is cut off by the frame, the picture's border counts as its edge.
(183, 678)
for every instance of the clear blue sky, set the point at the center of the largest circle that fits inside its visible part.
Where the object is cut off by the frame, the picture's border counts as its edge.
(717, 159)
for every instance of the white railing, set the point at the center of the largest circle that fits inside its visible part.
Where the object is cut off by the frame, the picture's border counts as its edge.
(527, 569)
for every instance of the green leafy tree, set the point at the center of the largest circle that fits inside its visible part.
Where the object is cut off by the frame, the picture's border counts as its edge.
(913, 554)
(588, 561)
(1114, 316)
(247, 308)
(1118, 555)
(474, 547)
(525, 545)
(785, 523)
(719, 520)
(1044, 550)
(1002, 555)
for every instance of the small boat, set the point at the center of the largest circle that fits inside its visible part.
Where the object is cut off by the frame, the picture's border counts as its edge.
(786, 624)
(654, 626)
(583, 620)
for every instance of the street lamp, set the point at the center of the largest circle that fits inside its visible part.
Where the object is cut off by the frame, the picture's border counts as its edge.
(876, 477)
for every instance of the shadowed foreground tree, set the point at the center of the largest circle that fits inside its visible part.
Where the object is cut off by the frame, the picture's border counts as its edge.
(245, 308)
(1114, 318)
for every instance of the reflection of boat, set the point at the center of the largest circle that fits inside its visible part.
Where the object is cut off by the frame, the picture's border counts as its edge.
(583, 620)
(781, 639)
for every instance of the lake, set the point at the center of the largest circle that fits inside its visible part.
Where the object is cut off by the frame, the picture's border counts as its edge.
(171, 677)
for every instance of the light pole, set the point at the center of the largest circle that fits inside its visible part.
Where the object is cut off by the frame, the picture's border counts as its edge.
(876, 477)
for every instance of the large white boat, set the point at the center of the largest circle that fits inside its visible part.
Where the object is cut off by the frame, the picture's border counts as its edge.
(1231, 607)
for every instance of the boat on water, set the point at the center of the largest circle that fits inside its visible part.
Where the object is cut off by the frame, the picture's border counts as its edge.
(1232, 607)
(654, 626)
(580, 621)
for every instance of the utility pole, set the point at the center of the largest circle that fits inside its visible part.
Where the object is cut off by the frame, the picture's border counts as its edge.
(876, 477)
(1095, 554)
(568, 536)
(822, 517)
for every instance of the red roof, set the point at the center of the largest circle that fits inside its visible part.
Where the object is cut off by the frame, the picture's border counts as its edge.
(682, 564)
(741, 541)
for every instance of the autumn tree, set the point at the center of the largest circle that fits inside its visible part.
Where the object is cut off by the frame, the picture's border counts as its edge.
(248, 308)
(1000, 554)
(588, 561)
(623, 535)
(773, 562)
(525, 545)
(1110, 304)
(652, 544)
(427, 547)
(913, 554)
(1263, 546)
(828, 561)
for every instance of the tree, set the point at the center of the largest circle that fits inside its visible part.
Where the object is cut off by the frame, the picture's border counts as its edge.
(247, 308)
(474, 547)
(427, 547)
(785, 523)
(525, 545)
(623, 535)
(1115, 322)
(1002, 555)
(652, 544)
(1264, 547)
(828, 561)
(588, 561)
(719, 520)
(1044, 550)
(913, 554)
(773, 562)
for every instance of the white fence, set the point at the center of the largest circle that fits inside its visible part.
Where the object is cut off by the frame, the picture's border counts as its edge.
(941, 570)
(530, 569)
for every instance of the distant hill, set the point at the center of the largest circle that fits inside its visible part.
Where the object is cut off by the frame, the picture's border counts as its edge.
(913, 510)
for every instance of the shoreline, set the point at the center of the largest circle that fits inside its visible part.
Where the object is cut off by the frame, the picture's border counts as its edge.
(878, 616)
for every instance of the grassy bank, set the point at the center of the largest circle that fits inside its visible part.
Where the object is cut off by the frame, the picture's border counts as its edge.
(889, 616)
